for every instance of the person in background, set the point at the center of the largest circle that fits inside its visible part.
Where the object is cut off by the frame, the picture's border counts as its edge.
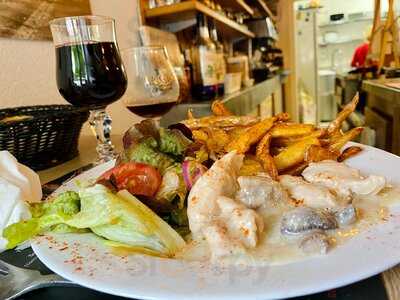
(360, 54)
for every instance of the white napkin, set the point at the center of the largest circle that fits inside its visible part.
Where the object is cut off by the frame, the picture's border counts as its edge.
(18, 185)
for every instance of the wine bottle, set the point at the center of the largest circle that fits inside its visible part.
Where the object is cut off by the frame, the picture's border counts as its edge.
(220, 64)
(188, 66)
(203, 60)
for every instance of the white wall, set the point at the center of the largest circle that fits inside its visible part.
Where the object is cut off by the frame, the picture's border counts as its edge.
(27, 67)
(347, 6)
(351, 6)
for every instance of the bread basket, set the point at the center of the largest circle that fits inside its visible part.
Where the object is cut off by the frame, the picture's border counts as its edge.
(42, 136)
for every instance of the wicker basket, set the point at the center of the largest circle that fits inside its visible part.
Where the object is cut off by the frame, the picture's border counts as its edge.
(47, 136)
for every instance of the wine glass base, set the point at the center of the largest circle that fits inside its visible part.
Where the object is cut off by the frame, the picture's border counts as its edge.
(105, 153)
(106, 158)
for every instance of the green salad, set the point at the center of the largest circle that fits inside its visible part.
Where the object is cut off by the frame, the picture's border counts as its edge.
(138, 204)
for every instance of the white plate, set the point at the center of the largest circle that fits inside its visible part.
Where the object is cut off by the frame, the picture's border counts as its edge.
(84, 259)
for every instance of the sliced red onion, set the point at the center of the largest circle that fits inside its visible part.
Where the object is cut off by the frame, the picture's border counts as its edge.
(192, 171)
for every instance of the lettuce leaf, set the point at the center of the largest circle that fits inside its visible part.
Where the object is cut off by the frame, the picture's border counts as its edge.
(172, 141)
(46, 216)
(124, 219)
(160, 229)
(145, 142)
(146, 152)
(119, 218)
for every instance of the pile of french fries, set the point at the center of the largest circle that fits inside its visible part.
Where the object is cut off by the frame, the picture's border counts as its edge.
(274, 145)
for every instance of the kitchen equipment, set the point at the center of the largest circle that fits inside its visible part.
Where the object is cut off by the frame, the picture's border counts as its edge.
(326, 95)
(42, 136)
(260, 74)
(336, 17)
(356, 16)
(331, 37)
(307, 53)
(262, 27)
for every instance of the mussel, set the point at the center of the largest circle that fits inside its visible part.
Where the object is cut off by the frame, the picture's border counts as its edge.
(303, 220)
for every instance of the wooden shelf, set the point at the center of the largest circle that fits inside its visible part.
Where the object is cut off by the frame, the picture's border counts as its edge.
(266, 9)
(187, 10)
(237, 5)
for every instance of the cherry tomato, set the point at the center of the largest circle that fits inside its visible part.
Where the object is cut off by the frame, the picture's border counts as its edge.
(137, 178)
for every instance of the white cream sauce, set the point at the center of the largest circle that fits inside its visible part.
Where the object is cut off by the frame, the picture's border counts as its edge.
(275, 249)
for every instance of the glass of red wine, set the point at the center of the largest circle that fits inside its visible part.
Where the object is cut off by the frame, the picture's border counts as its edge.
(153, 86)
(89, 71)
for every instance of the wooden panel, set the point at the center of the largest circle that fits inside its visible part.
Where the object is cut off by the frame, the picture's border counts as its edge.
(29, 19)
(237, 5)
(267, 10)
(396, 131)
(391, 279)
(382, 127)
(286, 29)
(187, 9)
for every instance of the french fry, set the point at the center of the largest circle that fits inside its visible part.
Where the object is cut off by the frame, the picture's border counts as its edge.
(339, 143)
(294, 154)
(200, 135)
(220, 121)
(251, 166)
(236, 132)
(287, 130)
(262, 153)
(253, 134)
(336, 124)
(263, 145)
(276, 150)
(283, 117)
(217, 139)
(190, 115)
(317, 153)
(219, 109)
(287, 141)
(349, 152)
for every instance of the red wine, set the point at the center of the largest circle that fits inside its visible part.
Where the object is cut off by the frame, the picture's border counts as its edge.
(151, 110)
(90, 75)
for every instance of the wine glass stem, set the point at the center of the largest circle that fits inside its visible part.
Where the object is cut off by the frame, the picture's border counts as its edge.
(100, 123)
(157, 120)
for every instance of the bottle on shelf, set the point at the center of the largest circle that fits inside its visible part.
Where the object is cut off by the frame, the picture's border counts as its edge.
(203, 54)
(220, 63)
(188, 67)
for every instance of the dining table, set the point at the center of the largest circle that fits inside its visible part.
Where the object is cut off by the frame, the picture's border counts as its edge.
(384, 286)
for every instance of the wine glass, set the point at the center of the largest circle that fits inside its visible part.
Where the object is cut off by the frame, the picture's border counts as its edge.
(153, 86)
(89, 71)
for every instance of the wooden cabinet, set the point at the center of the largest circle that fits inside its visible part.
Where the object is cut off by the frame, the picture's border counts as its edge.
(382, 126)
(383, 114)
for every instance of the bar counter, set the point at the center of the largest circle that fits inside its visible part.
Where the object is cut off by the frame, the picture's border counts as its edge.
(383, 112)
